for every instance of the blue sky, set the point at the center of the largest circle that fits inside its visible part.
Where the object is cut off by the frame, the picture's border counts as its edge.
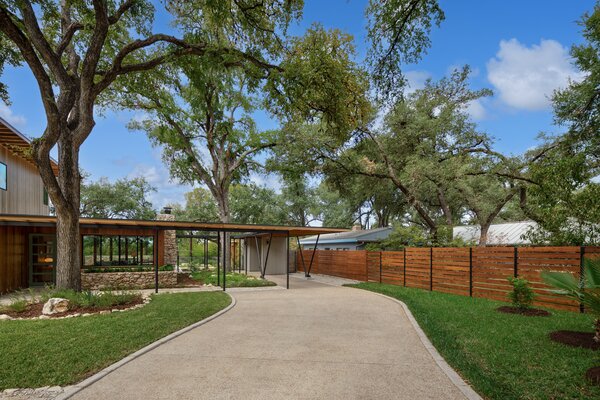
(519, 49)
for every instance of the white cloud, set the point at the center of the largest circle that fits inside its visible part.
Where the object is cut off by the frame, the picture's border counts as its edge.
(271, 181)
(167, 191)
(476, 110)
(525, 77)
(7, 114)
(415, 80)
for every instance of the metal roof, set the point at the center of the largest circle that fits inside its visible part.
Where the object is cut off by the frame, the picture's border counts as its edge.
(498, 234)
(37, 220)
(367, 235)
(19, 144)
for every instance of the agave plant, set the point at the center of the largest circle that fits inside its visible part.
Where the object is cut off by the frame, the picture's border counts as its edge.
(588, 294)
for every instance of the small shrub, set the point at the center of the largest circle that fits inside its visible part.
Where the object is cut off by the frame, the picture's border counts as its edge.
(167, 267)
(521, 295)
(89, 299)
(18, 306)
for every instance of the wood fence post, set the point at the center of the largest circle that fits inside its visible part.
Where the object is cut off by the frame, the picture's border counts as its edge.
(516, 262)
(581, 274)
(380, 266)
(404, 274)
(470, 272)
(431, 269)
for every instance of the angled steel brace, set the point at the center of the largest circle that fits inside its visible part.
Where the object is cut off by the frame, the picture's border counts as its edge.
(312, 257)
(264, 270)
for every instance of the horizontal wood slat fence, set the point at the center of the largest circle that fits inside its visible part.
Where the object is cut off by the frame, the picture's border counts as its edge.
(466, 271)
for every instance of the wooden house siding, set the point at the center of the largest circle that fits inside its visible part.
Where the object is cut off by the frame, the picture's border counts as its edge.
(25, 190)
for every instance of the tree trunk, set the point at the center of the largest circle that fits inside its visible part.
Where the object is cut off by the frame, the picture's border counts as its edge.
(68, 252)
(68, 239)
(483, 234)
(224, 217)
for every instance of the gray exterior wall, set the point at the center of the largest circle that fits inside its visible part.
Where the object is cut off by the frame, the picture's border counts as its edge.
(277, 260)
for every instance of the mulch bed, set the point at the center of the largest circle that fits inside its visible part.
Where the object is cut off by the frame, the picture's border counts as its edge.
(529, 312)
(593, 375)
(184, 280)
(575, 339)
(35, 310)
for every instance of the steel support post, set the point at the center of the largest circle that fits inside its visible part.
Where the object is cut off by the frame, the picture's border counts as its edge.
(312, 257)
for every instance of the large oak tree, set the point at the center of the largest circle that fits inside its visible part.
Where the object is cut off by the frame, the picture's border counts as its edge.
(78, 49)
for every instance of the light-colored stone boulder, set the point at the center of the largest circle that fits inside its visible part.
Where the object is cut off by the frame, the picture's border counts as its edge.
(5, 317)
(55, 305)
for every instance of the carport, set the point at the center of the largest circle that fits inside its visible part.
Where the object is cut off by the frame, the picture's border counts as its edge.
(17, 254)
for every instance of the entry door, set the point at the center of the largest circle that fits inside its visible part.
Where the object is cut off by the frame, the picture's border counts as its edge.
(42, 259)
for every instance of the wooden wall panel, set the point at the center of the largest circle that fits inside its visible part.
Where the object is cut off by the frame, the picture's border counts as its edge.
(25, 193)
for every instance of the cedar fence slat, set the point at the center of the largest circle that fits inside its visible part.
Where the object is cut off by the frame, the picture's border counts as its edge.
(476, 271)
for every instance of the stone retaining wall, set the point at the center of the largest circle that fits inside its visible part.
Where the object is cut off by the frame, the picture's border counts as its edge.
(126, 280)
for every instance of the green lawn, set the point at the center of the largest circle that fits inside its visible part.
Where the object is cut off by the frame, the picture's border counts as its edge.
(502, 356)
(233, 279)
(45, 352)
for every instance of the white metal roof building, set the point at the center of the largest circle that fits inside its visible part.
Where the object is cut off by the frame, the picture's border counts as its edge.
(509, 233)
(352, 240)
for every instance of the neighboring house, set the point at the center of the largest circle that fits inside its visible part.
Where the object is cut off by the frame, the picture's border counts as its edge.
(356, 239)
(21, 187)
(509, 233)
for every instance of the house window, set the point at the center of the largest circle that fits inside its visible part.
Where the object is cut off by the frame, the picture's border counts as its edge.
(3, 177)
(45, 197)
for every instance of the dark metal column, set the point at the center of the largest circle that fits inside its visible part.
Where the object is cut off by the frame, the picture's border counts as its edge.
(287, 261)
(581, 274)
(205, 253)
(312, 257)
(516, 262)
(258, 253)
(218, 258)
(155, 248)
(430, 268)
(226, 245)
(470, 271)
(301, 255)
(264, 270)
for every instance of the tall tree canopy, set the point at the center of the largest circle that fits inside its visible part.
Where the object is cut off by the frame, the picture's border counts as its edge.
(124, 198)
(78, 51)
(563, 188)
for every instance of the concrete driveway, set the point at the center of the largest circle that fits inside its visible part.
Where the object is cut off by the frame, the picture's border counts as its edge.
(314, 341)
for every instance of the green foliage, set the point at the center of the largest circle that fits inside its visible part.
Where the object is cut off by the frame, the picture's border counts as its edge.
(521, 294)
(414, 236)
(17, 305)
(233, 279)
(89, 299)
(199, 206)
(563, 194)
(586, 291)
(124, 198)
(320, 84)
(95, 342)
(498, 354)
(398, 33)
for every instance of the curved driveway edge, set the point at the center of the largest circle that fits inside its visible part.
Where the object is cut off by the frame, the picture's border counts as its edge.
(454, 377)
(70, 391)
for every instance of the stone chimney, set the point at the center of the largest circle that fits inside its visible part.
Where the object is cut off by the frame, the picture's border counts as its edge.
(170, 243)
(356, 227)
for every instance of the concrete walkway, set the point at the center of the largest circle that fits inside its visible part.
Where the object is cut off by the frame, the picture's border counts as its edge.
(314, 341)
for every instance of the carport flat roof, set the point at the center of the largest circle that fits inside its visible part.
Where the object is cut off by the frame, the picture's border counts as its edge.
(42, 220)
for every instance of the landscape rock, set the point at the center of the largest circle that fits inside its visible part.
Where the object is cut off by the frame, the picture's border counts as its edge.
(5, 317)
(55, 305)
